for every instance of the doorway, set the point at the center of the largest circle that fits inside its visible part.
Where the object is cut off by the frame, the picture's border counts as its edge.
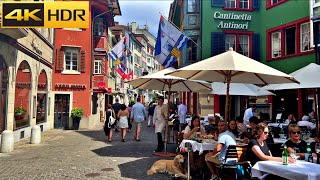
(3, 95)
(61, 111)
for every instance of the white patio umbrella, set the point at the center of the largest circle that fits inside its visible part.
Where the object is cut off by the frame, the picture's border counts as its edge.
(240, 89)
(308, 77)
(160, 81)
(163, 82)
(232, 67)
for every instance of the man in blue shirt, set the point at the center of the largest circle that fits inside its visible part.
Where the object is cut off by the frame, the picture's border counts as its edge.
(217, 157)
(138, 115)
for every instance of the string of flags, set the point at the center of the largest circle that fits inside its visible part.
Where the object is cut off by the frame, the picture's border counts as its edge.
(169, 44)
(118, 54)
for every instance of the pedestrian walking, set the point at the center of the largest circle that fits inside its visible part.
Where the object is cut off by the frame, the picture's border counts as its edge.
(150, 114)
(116, 107)
(182, 111)
(159, 116)
(108, 127)
(123, 116)
(129, 121)
(138, 115)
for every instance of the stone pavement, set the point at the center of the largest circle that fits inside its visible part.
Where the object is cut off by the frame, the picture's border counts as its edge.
(66, 154)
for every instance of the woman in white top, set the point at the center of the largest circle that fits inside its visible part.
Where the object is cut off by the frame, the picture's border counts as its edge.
(123, 116)
(191, 132)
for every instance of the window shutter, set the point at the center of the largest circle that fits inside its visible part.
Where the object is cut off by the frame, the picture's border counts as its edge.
(82, 64)
(256, 47)
(60, 60)
(217, 43)
(217, 3)
(256, 4)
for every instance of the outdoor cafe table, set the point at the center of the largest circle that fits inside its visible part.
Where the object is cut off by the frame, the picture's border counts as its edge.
(300, 170)
(196, 146)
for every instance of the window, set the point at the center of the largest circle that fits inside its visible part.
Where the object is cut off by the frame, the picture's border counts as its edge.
(192, 50)
(138, 48)
(244, 4)
(238, 42)
(193, 6)
(272, 3)
(98, 27)
(305, 37)
(71, 56)
(289, 40)
(238, 4)
(97, 66)
(230, 42)
(276, 44)
(243, 45)
(230, 4)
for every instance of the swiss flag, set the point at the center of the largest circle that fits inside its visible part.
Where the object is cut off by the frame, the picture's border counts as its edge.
(130, 76)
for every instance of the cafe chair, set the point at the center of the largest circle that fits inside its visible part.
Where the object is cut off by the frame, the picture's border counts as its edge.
(240, 168)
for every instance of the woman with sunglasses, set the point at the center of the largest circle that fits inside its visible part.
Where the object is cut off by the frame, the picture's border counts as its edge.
(258, 149)
(294, 143)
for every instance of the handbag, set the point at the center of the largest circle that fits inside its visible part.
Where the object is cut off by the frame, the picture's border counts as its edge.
(112, 120)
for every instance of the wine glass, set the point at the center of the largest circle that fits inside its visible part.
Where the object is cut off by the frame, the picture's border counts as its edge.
(293, 154)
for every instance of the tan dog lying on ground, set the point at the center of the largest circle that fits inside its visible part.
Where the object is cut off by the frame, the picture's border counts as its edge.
(170, 166)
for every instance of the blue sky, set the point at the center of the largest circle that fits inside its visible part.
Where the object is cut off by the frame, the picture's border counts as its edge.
(143, 12)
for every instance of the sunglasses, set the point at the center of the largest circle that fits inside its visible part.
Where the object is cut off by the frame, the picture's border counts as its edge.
(296, 132)
(266, 132)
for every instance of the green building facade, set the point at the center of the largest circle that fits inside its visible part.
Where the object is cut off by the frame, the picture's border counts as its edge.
(255, 23)
(273, 32)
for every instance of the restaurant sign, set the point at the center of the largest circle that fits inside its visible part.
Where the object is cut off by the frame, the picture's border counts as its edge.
(70, 86)
(232, 21)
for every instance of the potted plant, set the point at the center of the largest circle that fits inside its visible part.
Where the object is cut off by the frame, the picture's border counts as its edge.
(76, 114)
(19, 113)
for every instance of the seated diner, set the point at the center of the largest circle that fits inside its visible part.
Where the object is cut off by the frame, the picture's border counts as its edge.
(258, 149)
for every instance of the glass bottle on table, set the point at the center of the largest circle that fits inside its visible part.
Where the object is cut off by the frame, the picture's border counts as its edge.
(285, 156)
(308, 157)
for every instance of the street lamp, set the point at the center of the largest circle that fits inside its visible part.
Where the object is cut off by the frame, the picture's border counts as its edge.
(92, 43)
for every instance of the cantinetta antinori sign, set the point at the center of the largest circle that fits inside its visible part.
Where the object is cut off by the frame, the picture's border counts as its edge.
(236, 20)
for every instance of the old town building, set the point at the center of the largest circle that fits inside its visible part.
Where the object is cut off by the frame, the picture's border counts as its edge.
(80, 67)
(266, 31)
(25, 73)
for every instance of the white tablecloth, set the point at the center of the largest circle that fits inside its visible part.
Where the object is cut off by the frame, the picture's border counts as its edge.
(199, 146)
(301, 170)
(277, 124)
(279, 140)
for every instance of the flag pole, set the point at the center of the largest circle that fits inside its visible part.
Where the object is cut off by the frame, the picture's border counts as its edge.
(180, 30)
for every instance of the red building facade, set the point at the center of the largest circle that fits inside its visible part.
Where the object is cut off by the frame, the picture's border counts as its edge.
(80, 67)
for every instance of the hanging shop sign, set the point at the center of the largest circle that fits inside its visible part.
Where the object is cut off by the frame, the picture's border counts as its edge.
(232, 21)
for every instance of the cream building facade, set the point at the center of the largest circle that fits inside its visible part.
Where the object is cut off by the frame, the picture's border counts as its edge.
(26, 70)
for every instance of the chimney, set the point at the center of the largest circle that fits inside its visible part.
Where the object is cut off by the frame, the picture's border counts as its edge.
(133, 27)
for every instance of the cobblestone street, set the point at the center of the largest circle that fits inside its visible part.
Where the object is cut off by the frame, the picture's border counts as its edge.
(82, 154)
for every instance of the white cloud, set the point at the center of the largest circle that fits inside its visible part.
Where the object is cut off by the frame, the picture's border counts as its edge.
(143, 12)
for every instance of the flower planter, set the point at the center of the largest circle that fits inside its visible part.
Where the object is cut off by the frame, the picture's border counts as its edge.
(76, 123)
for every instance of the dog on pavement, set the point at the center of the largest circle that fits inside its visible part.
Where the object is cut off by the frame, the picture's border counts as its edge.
(174, 167)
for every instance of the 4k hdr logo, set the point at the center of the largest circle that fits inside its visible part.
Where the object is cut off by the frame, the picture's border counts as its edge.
(69, 14)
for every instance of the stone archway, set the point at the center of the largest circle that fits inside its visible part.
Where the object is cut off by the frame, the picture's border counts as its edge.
(42, 97)
(4, 93)
(22, 96)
